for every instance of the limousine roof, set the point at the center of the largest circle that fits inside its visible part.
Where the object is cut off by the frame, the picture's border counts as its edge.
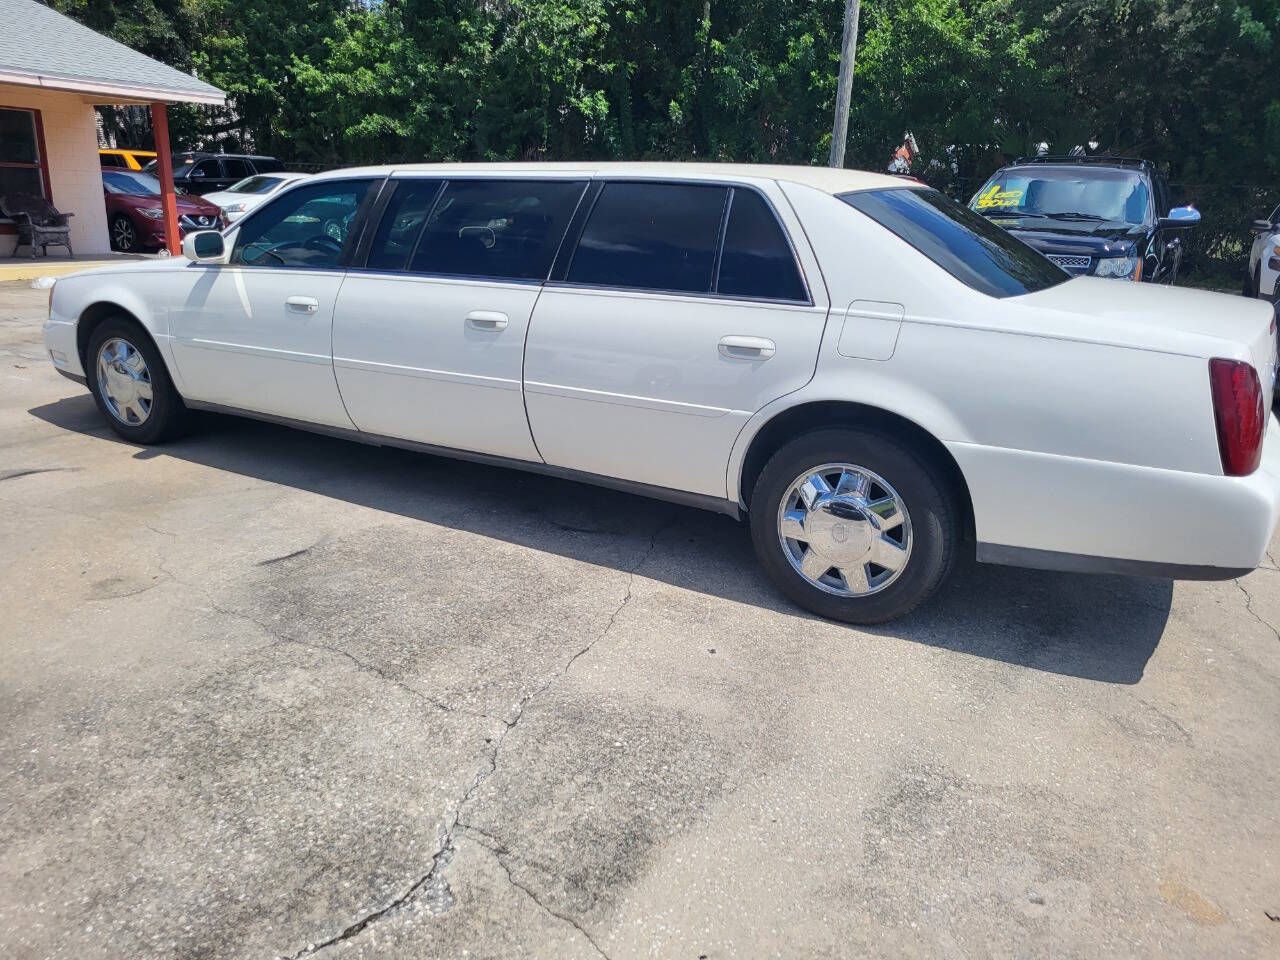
(827, 179)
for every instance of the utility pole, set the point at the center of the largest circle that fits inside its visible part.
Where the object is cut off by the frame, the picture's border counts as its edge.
(840, 131)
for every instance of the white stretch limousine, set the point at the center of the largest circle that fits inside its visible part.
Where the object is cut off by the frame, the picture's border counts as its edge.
(877, 376)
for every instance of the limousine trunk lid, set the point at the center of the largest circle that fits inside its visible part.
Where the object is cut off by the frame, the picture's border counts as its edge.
(1154, 317)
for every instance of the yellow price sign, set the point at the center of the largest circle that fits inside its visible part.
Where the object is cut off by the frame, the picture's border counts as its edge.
(995, 197)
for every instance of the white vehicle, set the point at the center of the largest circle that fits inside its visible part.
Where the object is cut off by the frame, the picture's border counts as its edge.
(1264, 259)
(878, 377)
(241, 197)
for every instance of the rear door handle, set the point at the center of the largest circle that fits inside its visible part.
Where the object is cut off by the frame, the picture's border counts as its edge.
(487, 320)
(302, 304)
(747, 348)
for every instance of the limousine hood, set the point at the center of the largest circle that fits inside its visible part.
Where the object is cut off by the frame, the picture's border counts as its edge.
(150, 265)
(1154, 317)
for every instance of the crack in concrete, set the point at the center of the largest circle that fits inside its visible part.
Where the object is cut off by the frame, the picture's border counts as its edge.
(446, 847)
(15, 474)
(1248, 605)
(280, 639)
(288, 556)
(359, 664)
(355, 929)
(498, 850)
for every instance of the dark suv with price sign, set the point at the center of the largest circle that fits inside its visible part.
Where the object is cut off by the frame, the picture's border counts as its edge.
(1101, 216)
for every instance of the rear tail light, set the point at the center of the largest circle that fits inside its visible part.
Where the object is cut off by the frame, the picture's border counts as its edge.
(1239, 413)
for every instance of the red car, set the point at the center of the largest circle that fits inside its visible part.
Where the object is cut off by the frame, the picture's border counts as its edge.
(134, 216)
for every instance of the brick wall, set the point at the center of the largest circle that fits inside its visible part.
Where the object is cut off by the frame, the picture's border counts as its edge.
(71, 141)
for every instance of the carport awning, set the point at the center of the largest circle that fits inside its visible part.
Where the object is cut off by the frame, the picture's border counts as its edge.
(39, 47)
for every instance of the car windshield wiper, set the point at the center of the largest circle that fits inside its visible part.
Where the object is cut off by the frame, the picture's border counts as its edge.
(1077, 216)
(1011, 213)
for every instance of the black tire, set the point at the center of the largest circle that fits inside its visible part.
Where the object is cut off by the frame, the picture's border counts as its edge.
(124, 235)
(923, 489)
(167, 416)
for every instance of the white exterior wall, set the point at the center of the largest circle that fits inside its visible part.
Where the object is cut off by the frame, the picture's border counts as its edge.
(71, 142)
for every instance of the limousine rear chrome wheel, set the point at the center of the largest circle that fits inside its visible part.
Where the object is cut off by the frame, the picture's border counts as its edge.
(854, 524)
(130, 383)
(844, 529)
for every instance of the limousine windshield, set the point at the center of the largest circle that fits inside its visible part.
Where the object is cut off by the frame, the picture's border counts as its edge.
(963, 243)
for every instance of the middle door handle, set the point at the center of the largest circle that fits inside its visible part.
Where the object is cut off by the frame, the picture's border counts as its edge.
(746, 348)
(487, 320)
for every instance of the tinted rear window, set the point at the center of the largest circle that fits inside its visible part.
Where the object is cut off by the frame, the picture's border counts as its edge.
(651, 236)
(965, 244)
(757, 260)
(495, 229)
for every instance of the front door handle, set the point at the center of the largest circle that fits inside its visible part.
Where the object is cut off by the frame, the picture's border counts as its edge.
(487, 320)
(747, 348)
(302, 304)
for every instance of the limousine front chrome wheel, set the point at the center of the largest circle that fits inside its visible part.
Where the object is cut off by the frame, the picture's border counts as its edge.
(854, 524)
(125, 381)
(130, 384)
(845, 530)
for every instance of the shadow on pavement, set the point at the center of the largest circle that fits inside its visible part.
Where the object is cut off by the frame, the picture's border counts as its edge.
(1094, 627)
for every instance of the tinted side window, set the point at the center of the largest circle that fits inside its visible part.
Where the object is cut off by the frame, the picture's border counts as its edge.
(208, 169)
(651, 236)
(306, 227)
(267, 164)
(401, 224)
(1160, 197)
(111, 160)
(965, 244)
(757, 260)
(496, 229)
(237, 169)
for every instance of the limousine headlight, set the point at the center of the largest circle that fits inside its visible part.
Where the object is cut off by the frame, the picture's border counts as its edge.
(1120, 268)
(155, 213)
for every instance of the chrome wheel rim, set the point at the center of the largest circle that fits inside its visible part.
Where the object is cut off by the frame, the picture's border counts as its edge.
(845, 530)
(124, 381)
(124, 233)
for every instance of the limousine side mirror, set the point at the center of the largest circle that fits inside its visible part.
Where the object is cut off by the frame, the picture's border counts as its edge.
(204, 246)
(1262, 226)
(1181, 217)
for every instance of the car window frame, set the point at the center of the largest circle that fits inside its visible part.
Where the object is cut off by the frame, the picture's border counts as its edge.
(573, 237)
(359, 223)
(442, 179)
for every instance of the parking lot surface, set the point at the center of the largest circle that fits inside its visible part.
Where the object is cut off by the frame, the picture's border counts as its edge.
(268, 694)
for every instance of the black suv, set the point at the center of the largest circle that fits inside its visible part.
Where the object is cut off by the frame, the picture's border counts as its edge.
(1102, 216)
(209, 172)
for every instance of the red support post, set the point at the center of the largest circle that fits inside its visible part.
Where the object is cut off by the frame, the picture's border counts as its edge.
(164, 164)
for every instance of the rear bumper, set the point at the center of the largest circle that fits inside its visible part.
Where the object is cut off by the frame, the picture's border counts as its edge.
(1078, 563)
(1064, 513)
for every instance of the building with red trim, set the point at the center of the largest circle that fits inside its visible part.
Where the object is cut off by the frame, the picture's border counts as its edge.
(53, 72)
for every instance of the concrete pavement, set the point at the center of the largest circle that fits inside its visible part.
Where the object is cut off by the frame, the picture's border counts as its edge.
(267, 694)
